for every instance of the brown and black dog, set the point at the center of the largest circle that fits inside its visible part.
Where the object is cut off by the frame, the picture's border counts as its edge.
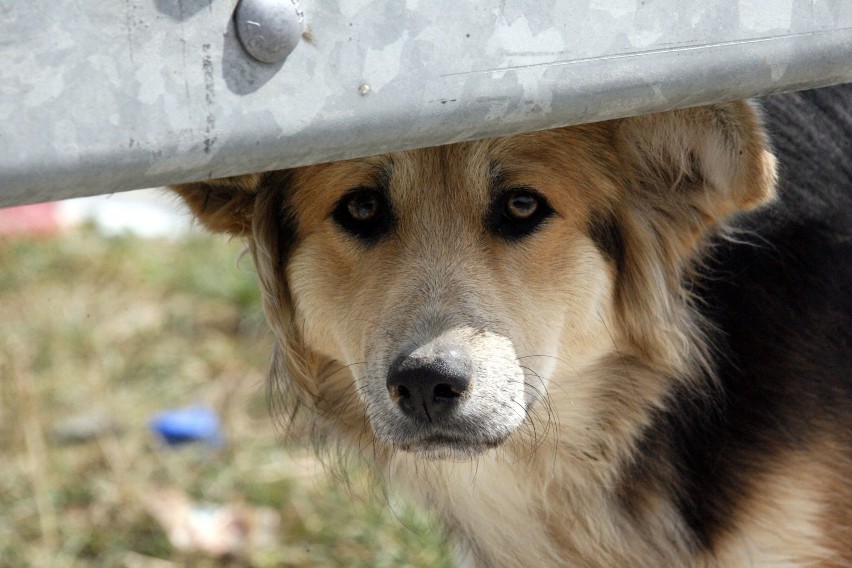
(615, 344)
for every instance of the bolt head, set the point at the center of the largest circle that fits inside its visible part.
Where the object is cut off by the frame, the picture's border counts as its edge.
(268, 29)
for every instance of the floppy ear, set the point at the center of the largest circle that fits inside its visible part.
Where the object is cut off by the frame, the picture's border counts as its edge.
(223, 205)
(256, 206)
(685, 172)
(699, 165)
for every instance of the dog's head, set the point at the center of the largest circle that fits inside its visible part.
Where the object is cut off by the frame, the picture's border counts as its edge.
(439, 295)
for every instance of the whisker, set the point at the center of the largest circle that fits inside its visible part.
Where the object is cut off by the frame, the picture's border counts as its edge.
(546, 402)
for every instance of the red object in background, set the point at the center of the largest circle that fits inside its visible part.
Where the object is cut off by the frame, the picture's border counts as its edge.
(38, 219)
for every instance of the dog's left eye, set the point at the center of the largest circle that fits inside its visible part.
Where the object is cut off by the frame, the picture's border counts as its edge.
(517, 213)
(363, 212)
(521, 206)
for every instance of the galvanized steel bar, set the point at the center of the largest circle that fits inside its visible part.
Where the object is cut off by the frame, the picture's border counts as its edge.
(112, 95)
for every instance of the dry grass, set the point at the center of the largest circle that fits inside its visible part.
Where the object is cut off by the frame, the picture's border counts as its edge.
(123, 328)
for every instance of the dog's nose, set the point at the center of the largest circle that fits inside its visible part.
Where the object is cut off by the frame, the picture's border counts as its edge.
(428, 387)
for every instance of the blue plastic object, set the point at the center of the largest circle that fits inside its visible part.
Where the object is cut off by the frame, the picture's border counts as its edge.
(189, 424)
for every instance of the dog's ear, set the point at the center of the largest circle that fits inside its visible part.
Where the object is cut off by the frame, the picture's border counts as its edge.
(684, 172)
(699, 165)
(223, 205)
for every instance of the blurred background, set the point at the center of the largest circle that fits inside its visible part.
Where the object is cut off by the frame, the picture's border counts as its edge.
(114, 311)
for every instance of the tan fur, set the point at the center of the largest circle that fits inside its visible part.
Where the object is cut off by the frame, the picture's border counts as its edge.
(783, 524)
(580, 350)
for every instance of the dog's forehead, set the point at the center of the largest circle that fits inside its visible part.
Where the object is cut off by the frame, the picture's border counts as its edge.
(409, 178)
(455, 176)
(465, 174)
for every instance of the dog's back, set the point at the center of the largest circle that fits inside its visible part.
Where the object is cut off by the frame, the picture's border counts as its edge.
(779, 291)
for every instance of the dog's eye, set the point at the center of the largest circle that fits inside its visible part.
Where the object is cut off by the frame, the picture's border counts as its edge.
(517, 213)
(363, 212)
(521, 206)
(363, 206)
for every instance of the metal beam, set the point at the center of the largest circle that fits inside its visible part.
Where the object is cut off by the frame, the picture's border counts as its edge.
(104, 96)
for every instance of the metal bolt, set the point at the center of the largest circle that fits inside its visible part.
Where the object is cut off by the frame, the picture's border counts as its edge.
(268, 29)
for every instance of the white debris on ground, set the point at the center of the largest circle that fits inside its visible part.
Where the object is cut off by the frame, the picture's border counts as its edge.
(214, 530)
(146, 213)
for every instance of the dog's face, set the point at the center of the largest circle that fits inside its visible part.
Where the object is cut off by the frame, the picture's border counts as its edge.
(452, 280)
(456, 287)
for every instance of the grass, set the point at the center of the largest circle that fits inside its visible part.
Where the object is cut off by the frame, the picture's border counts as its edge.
(121, 328)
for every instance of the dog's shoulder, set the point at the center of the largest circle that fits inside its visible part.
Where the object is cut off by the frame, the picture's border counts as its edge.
(777, 291)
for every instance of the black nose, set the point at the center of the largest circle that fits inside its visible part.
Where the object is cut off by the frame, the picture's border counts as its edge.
(430, 386)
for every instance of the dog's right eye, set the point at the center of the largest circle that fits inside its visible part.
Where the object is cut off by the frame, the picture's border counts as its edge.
(518, 212)
(364, 213)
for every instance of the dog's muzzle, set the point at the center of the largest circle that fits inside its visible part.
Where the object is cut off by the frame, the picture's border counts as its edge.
(454, 395)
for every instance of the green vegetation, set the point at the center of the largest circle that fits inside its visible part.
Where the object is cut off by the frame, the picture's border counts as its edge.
(121, 329)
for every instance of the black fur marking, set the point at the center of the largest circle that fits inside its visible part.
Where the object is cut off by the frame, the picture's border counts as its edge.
(281, 181)
(607, 236)
(780, 297)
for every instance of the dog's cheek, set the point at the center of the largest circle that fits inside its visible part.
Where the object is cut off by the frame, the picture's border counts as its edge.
(337, 289)
(322, 297)
(558, 294)
(589, 297)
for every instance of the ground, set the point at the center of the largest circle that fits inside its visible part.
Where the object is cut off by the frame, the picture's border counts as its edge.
(117, 329)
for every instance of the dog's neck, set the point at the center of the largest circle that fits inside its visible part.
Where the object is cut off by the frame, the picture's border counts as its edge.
(559, 462)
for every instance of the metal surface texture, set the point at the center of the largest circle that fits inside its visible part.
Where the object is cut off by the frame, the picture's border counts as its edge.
(112, 95)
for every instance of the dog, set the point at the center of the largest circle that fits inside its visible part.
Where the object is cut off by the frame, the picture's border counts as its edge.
(624, 343)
